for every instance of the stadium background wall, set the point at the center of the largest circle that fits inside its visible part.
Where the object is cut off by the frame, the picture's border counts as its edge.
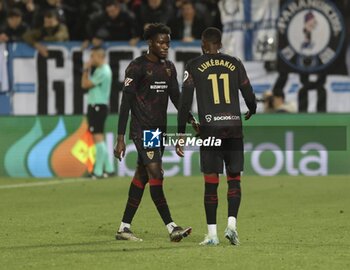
(33, 85)
(289, 144)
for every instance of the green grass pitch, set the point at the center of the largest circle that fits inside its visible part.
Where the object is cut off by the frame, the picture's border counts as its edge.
(284, 223)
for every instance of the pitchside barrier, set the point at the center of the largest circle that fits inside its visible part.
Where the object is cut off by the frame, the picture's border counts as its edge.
(275, 144)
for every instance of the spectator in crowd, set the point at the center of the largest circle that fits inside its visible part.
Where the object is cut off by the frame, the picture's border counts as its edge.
(14, 28)
(281, 106)
(277, 104)
(113, 25)
(188, 26)
(213, 18)
(78, 13)
(133, 6)
(27, 7)
(155, 11)
(48, 5)
(207, 10)
(2, 13)
(52, 30)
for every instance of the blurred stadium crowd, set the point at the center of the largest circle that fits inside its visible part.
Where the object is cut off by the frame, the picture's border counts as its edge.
(95, 21)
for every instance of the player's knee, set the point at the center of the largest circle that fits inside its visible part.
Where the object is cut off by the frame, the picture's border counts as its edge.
(141, 174)
(233, 176)
(211, 178)
(154, 182)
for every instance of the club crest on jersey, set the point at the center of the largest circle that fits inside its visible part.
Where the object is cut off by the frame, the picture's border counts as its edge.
(168, 71)
(311, 34)
(127, 81)
(150, 154)
(149, 72)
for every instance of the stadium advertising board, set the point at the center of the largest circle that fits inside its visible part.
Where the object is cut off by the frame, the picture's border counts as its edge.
(57, 146)
(51, 86)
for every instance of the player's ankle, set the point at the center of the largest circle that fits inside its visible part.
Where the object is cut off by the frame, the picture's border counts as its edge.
(170, 226)
(232, 222)
(124, 225)
(212, 230)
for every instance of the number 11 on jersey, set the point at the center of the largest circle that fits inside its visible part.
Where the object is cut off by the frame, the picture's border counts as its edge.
(215, 85)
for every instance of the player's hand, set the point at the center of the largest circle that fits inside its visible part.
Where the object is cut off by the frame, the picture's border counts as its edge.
(119, 150)
(248, 114)
(88, 64)
(195, 125)
(179, 148)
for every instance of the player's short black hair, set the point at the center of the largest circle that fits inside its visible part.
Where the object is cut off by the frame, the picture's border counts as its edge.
(212, 35)
(15, 12)
(154, 29)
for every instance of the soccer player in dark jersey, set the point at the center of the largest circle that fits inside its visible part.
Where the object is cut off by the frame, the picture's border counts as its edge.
(149, 82)
(217, 79)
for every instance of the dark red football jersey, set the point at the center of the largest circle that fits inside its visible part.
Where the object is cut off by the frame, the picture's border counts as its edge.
(217, 80)
(152, 83)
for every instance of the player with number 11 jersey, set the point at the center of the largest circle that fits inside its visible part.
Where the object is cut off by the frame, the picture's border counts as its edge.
(217, 79)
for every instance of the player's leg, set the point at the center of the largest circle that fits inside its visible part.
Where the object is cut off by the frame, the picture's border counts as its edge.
(211, 166)
(136, 191)
(92, 117)
(234, 165)
(108, 167)
(233, 196)
(155, 175)
(211, 205)
(100, 154)
(233, 201)
(97, 117)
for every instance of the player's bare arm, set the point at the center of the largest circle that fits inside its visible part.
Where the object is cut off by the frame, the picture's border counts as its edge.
(247, 92)
(185, 105)
(174, 95)
(86, 83)
(119, 148)
(250, 100)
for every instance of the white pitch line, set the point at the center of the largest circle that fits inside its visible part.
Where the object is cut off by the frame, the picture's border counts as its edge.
(44, 183)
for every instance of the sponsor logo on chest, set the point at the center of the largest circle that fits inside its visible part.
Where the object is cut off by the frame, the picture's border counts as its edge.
(159, 86)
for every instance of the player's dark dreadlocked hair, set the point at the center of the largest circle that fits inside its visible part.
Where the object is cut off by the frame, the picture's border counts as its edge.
(212, 34)
(155, 29)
